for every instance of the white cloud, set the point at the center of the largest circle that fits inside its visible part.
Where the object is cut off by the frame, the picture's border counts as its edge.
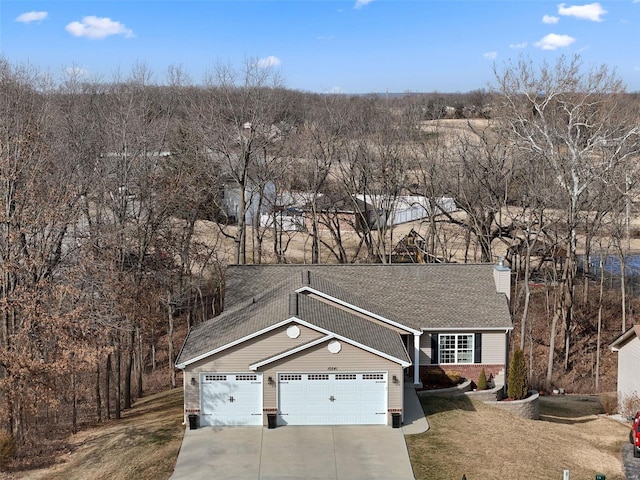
(98, 28)
(550, 19)
(362, 3)
(591, 11)
(553, 41)
(269, 61)
(29, 17)
(518, 45)
(490, 55)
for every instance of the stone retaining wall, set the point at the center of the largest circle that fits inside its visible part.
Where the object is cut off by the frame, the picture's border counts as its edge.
(526, 408)
(447, 392)
(492, 394)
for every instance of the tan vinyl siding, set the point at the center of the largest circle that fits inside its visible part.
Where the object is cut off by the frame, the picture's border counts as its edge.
(319, 359)
(238, 358)
(425, 349)
(628, 361)
(493, 347)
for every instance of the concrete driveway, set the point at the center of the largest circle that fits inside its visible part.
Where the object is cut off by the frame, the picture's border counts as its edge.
(331, 452)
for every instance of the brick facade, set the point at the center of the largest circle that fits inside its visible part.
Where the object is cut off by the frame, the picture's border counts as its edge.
(470, 371)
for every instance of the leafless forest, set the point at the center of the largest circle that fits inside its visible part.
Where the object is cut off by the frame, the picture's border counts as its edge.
(114, 233)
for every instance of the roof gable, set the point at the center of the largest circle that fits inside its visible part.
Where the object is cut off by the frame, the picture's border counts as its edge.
(626, 337)
(275, 308)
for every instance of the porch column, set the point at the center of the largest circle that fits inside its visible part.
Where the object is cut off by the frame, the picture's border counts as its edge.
(416, 359)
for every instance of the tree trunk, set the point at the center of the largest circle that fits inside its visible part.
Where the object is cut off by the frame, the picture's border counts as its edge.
(118, 380)
(128, 372)
(315, 243)
(170, 341)
(107, 386)
(600, 306)
(552, 346)
(74, 403)
(98, 394)
(140, 366)
(623, 289)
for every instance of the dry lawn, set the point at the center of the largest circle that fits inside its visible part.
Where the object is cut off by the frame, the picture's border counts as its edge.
(482, 442)
(466, 437)
(143, 445)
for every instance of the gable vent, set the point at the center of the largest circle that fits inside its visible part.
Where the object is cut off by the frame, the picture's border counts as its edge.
(293, 304)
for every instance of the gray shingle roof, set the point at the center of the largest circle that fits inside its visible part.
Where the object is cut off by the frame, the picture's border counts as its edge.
(354, 327)
(422, 296)
(429, 297)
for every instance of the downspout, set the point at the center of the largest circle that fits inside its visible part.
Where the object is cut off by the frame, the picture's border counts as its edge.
(184, 401)
(416, 360)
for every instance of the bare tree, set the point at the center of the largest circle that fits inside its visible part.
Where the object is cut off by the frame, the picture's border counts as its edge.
(574, 121)
(40, 202)
(237, 114)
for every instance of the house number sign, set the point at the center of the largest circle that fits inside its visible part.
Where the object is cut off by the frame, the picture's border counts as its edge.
(332, 368)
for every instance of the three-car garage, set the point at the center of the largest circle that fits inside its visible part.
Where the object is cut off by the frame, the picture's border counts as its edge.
(336, 398)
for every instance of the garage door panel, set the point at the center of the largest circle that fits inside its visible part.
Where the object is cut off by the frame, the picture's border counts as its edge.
(230, 399)
(332, 399)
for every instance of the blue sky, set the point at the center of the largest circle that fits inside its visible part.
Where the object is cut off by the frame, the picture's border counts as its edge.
(356, 46)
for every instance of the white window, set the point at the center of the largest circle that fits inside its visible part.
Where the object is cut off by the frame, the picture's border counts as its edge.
(455, 348)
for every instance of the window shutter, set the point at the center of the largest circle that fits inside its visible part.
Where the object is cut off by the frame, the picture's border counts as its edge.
(434, 348)
(477, 348)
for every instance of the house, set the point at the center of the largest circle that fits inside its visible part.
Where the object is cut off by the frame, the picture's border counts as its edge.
(386, 210)
(331, 344)
(257, 199)
(627, 346)
(287, 211)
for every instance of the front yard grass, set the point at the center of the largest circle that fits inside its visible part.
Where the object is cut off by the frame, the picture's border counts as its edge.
(143, 445)
(477, 440)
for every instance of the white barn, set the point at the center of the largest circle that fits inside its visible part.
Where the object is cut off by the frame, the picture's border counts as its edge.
(387, 210)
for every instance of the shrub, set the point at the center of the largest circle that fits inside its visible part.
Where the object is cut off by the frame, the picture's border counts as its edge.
(435, 377)
(453, 376)
(482, 380)
(517, 380)
(629, 404)
(8, 448)
(609, 403)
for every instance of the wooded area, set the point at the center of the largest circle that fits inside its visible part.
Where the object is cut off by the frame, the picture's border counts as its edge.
(115, 225)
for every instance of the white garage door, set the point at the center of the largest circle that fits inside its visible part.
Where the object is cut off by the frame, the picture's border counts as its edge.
(332, 398)
(230, 399)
